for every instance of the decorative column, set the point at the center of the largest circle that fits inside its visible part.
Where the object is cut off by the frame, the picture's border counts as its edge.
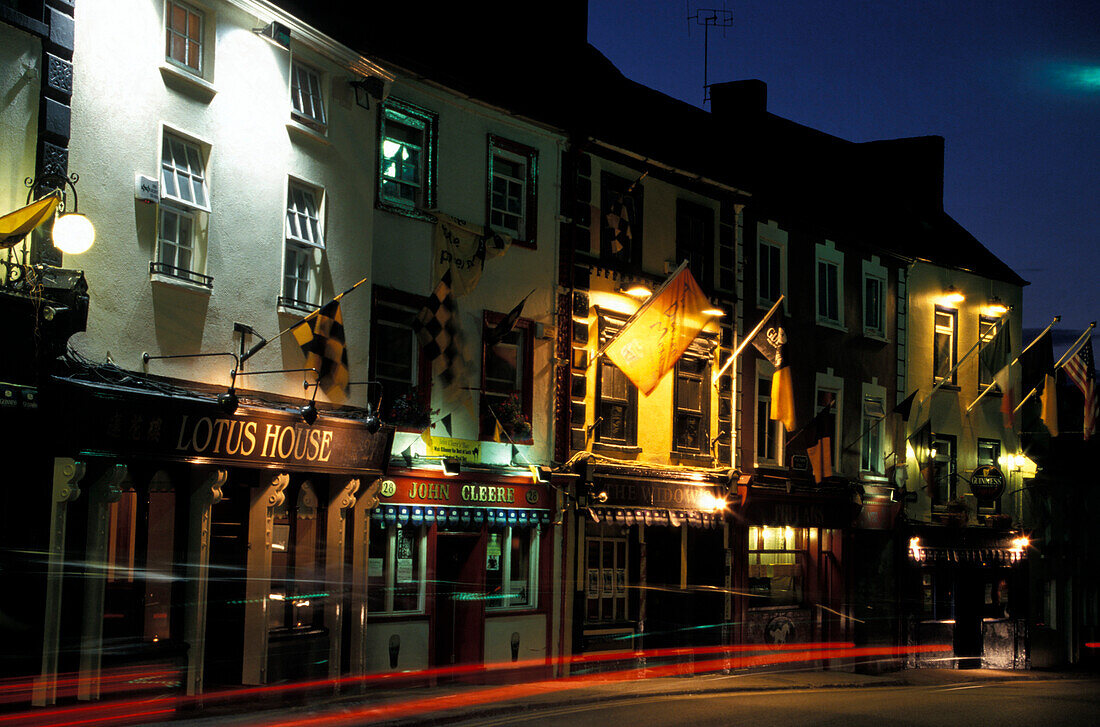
(360, 550)
(205, 493)
(67, 474)
(261, 516)
(101, 496)
(342, 500)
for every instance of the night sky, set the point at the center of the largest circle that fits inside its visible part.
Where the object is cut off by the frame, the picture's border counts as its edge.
(1013, 87)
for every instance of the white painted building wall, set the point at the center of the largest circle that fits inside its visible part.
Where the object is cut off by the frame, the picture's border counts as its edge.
(126, 95)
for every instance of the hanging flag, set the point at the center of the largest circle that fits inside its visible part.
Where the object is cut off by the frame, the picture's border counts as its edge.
(321, 337)
(996, 357)
(505, 326)
(426, 436)
(655, 337)
(905, 406)
(770, 342)
(436, 327)
(922, 449)
(446, 422)
(1037, 362)
(1081, 370)
(821, 451)
(617, 223)
(1049, 399)
(462, 250)
(16, 225)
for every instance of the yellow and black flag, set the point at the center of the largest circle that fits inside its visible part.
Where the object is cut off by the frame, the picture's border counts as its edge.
(321, 336)
(770, 342)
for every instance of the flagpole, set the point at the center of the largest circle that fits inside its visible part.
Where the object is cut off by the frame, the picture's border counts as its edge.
(255, 349)
(642, 309)
(949, 374)
(1014, 362)
(1062, 361)
(746, 340)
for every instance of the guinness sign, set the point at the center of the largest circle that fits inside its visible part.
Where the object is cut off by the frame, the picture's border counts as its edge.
(987, 482)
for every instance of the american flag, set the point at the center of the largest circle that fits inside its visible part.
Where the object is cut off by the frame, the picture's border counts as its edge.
(1081, 370)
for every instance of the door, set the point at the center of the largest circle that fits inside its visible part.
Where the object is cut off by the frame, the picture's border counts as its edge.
(969, 592)
(459, 598)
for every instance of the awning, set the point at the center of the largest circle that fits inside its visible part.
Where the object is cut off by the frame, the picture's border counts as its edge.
(671, 518)
(459, 517)
(967, 556)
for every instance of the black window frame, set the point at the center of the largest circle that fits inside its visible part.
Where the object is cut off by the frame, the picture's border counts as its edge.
(945, 486)
(698, 252)
(612, 188)
(405, 306)
(701, 379)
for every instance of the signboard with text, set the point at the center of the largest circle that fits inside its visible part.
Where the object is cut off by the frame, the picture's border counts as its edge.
(510, 492)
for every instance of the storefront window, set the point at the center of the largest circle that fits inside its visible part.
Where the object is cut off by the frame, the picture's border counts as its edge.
(606, 579)
(395, 568)
(511, 568)
(296, 570)
(777, 565)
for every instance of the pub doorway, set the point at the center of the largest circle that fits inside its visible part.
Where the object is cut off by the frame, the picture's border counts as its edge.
(459, 603)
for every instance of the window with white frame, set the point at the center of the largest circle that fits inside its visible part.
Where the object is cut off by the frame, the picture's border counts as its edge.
(874, 414)
(769, 435)
(944, 469)
(829, 393)
(511, 568)
(945, 346)
(184, 204)
(396, 567)
(306, 99)
(771, 263)
(304, 245)
(512, 197)
(407, 150)
(874, 299)
(987, 328)
(183, 26)
(829, 284)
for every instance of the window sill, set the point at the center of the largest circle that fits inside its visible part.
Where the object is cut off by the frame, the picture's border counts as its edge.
(947, 387)
(415, 213)
(828, 323)
(188, 83)
(174, 282)
(301, 131)
(621, 449)
(872, 336)
(290, 310)
(694, 457)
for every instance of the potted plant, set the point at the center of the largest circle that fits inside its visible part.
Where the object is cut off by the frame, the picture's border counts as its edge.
(999, 521)
(509, 413)
(409, 412)
(955, 512)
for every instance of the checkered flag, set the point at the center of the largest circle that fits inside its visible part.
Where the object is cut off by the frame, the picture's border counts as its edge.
(617, 222)
(436, 327)
(321, 338)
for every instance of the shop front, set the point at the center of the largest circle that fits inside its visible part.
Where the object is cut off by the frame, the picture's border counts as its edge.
(459, 570)
(204, 538)
(790, 569)
(652, 557)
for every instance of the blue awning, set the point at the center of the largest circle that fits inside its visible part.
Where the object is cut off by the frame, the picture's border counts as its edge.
(460, 517)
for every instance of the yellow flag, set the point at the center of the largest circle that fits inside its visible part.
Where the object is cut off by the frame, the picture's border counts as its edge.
(14, 226)
(653, 340)
(1050, 405)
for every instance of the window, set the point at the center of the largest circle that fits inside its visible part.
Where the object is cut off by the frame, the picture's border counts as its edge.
(874, 415)
(828, 393)
(607, 579)
(512, 197)
(771, 264)
(987, 327)
(305, 96)
(691, 410)
(295, 601)
(769, 440)
(989, 453)
(830, 277)
(182, 217)
(395, 568)
(511, 568)
(407, 164)
(695, 240)
(395, 360)
(304, 243)
(944, 469)
(777, 565)
(618, 410)
(945, 349)
(874, 299)
(506, 381)
(183, 31)
(621, 220)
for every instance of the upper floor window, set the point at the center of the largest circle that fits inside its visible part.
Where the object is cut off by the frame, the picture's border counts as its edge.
(618, 409)
(874, 415)
(769, 439)
(945, 345)
(874, 299)
(695, 240)
(506, 381)
(771, 263)
(407, 150)
(691, 417)
(182, 218)
(621, 214)
(828, 396)
(944, 469)
(987, 328)
(184, 36)
(830, 278)
(183, 173)
(304, 243)
(512, 197)
(305, 96)
(395, 360)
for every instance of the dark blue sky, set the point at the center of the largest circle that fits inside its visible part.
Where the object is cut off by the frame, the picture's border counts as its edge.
(1013, 86)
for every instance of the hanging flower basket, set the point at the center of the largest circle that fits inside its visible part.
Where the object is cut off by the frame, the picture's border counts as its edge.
(408, 412)
(515, 423)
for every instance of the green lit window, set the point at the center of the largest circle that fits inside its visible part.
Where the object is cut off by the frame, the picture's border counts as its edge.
(407, 151)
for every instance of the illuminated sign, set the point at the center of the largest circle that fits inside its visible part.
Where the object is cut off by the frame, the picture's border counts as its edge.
(512, 492)
(668, 495)
(987, 482)
(465, 450)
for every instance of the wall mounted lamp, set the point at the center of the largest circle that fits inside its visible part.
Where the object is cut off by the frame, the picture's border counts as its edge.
(365, 88)
(951, 296)
(275, 33)
(640, 291)
(452, 466)
(996, 308)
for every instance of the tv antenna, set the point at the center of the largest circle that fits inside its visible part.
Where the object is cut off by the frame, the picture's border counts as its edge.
(710, 18)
